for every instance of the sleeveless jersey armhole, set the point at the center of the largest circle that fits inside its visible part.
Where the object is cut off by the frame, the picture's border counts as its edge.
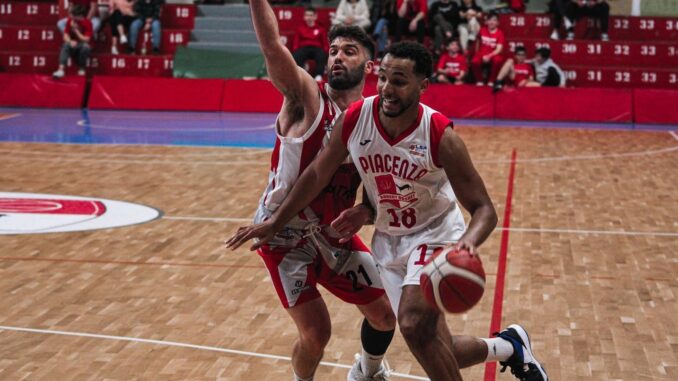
(439, 123)
(351, 116)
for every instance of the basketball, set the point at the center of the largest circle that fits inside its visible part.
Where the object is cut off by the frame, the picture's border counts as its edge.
(453, 281)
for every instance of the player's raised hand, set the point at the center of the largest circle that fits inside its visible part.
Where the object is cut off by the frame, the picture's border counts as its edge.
(350, 221)
(261, 233)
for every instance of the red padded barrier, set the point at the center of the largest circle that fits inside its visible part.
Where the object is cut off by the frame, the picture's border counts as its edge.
(655, 106)
(138, 93)
(33, 90)
(555, 104)
(251, 96)
(460, 101)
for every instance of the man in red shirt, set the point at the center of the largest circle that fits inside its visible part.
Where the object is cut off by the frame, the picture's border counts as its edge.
(310, 43)
(91, 11)
(411, 19)
(489, 51)
(78, 33)
(517, 71)
(452, 67)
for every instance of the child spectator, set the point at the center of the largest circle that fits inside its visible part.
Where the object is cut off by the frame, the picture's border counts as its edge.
(411, 19)
(469, 24)
(77, 36)
(452, 67)
(310, 43)
(547, 72)
(384, 16)
(148, 15)
(516, 71)
(122, 15)
(352, 12)
(489, 53)
(91, 11)
(443, 20)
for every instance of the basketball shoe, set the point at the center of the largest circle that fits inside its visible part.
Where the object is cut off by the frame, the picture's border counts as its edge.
(523, 364)
(356, 373)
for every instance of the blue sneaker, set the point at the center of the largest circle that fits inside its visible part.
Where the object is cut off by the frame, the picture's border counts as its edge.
(523, 364)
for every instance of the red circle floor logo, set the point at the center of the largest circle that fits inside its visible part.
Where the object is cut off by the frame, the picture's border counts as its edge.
(29, 213)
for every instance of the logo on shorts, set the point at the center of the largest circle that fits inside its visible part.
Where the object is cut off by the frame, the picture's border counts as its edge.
(29, 213)
(299, 289)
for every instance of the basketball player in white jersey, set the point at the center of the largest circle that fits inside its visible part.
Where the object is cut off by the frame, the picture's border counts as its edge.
(307, 251)
(414, 168)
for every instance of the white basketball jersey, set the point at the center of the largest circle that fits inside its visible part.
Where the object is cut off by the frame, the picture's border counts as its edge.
(406, 187)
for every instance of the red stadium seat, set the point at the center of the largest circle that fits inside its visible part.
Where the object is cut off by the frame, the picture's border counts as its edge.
(28, 13)
(622, 28)
(621, 77)
(178, 16)
(30, 38)
(129, 65)
(602, 54)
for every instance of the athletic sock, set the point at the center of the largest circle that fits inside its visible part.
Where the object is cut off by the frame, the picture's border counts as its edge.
(297, 378)
(498, 349)
(370, 364)
(374, 343)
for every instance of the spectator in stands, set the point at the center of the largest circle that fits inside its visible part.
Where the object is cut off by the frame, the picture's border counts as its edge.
(310, 43)
(411, 19)
(452, 67)
(598, 10)
(148, 15)
(469, 24)
(443, 19)
(91, 10)
(489, 51)
(78, 33)
(352, 12)
(547, 72)
(569, 11)
(384, 16)
(515, 6)
(516, 71)
(122, 15)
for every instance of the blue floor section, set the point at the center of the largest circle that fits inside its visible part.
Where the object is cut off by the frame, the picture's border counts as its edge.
(78, 126)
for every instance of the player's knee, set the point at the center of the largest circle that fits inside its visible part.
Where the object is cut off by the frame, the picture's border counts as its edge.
(315, 339)
(381, 316)
(416, 328)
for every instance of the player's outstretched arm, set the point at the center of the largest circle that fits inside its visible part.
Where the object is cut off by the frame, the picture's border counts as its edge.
(309, 185)
(291, 80)
(469, 188)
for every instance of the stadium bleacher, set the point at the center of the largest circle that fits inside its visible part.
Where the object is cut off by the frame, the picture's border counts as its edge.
(642, 52)
(30, 42)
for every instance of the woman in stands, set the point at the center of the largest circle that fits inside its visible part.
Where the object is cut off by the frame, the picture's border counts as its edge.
(122, 15)
(469, 26)
(353, 12)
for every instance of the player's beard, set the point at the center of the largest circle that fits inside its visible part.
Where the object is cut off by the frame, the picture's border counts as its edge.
(348, 80)
(404, 105)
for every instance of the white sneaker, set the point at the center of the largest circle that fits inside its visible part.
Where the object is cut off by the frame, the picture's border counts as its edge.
(58, 74)
(356, 374)
(604, 37)
(81, 72)
(123, 39)
(555, 36)
(524, 366)
(570, 36)
(143, 51)
(114, 50)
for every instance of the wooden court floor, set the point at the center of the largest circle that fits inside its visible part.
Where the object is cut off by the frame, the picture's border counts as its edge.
(592, 269)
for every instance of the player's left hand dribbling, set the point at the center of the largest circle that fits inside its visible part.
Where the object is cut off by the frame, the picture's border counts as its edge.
(261, 233)
(462, 244)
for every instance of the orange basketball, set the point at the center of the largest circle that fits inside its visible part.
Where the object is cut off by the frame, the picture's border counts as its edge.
(453, 281)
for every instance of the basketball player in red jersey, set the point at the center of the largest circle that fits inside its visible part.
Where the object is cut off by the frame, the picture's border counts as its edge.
(414, 168)
(307, 251)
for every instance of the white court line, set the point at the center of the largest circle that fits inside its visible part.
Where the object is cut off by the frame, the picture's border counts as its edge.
(210, 219)
(146, 162)
(675, 136)
(513, 229)
(8, 116)
(182, 345)
(585, 157)
(592, 232)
